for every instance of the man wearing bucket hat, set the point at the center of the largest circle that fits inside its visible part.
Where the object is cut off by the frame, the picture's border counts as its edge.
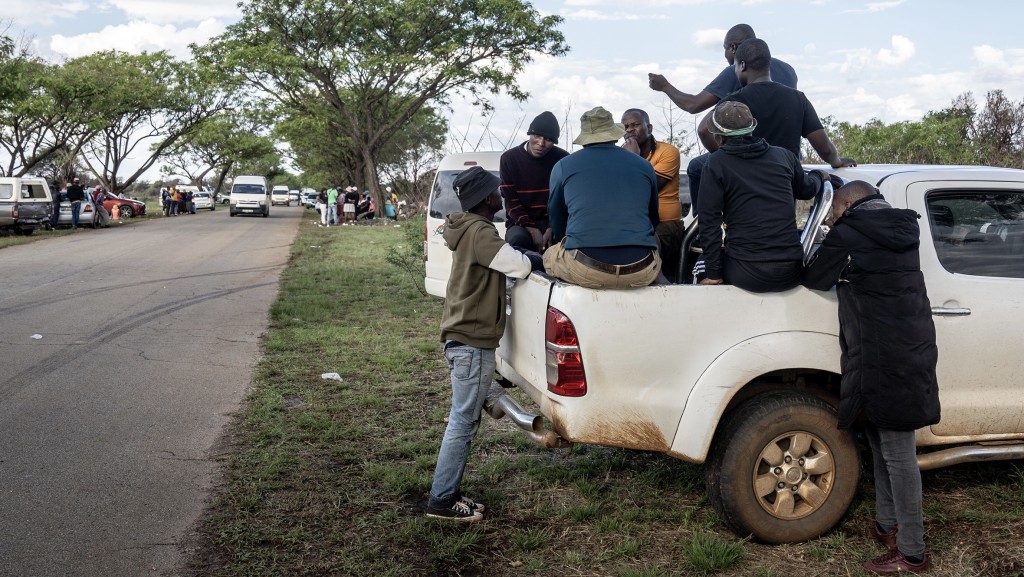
(603, 208)
(471, 326)
(750, 187)
(525, 179)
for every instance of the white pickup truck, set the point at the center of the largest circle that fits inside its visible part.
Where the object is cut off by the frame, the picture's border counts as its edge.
(748, 383)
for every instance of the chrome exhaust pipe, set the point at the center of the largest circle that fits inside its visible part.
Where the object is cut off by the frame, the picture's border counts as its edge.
(506, 405)
(548, 440)
(533, 425)
(969, 454)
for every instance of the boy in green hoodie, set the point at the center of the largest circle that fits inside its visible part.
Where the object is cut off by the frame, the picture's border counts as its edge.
(471, 326)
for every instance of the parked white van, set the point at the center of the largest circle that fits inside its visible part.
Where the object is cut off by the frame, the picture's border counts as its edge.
(436, 254)
(279, 195)
(249, 195)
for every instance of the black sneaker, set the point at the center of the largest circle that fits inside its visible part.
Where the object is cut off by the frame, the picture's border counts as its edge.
(459, 511)
(478, 507)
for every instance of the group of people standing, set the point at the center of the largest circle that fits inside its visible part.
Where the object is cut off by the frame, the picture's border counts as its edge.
(175, 202)
(609, 216)
(77, 195)
(344, 206)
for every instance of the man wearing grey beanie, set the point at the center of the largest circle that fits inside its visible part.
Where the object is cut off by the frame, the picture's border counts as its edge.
(471, 327)
(525, 175)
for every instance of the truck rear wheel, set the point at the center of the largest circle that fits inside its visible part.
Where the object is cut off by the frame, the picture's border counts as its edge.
(780, 470)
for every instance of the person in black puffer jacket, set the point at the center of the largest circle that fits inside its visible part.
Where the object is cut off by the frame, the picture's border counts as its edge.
(887, 339)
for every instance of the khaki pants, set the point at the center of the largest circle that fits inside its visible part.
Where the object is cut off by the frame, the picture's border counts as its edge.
(561, 263)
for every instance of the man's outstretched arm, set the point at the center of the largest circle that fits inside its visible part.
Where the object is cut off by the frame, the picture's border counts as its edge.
(692, 103)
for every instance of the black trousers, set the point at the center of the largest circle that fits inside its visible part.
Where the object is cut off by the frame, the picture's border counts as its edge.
(762, 277)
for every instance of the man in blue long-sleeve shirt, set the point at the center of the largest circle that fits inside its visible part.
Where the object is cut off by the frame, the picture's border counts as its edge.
(603, 208)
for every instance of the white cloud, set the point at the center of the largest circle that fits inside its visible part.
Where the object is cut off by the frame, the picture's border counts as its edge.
(987, 55)
(902, 50)
(709, 38)
(135, 37)
(637, 3)
(176, 11)
(873, 7)
(42, 12)
(586, 14)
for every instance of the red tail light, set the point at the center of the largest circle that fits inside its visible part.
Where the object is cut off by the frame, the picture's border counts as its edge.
(564, 364)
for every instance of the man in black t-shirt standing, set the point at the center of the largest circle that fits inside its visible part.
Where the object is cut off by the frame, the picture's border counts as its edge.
(784, 115)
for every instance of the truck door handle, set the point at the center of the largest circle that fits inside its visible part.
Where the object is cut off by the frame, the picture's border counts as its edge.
(950, 312)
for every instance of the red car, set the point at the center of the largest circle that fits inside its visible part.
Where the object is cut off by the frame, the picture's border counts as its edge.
(126, 207)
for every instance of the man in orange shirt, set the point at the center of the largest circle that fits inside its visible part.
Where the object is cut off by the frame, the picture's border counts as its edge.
(664, 158)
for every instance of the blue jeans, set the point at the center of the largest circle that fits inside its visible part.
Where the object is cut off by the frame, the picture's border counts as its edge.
(472, 370)
(76, 208)
(898, 486)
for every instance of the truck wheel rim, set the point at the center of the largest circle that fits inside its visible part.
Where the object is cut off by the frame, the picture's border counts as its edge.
(794, 475)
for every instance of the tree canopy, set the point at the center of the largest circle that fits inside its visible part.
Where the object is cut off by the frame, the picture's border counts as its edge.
(366, 67)
(958, 134)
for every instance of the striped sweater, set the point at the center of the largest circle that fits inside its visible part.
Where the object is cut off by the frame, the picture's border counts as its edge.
(525, 182)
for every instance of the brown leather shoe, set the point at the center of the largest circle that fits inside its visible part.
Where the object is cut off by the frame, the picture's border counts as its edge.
(887, 539)
(895, 562)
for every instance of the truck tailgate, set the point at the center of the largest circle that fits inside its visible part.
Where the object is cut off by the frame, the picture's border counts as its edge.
(527, 312)
(34, 210)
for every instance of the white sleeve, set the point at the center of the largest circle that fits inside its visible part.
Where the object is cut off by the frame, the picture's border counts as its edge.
(511, 262)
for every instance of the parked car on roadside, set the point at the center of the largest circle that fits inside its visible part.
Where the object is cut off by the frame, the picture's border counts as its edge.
(126, 207)
(87, 215)
(25, 204)
(309, 199)
(203, 200)
(224, 197)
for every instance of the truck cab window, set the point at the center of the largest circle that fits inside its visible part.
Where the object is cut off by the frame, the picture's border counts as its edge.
(978, 233)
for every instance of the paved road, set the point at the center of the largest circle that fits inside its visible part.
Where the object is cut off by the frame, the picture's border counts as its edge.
(108, 423)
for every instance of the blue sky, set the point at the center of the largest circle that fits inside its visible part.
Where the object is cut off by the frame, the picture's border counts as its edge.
(893, 60)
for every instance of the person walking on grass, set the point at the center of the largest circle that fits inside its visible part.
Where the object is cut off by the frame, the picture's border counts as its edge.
(471, 326)
(887, 339)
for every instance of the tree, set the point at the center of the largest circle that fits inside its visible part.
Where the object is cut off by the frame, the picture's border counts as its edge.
(959, 134)
(673, 123)
(214, 147)
(375, 63)
(145, 103)
(932, 140)
(411, 155)
(999, 131)
(43, 112)
(317, 147)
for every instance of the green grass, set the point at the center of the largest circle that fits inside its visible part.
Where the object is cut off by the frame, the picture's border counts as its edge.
(323, 478)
